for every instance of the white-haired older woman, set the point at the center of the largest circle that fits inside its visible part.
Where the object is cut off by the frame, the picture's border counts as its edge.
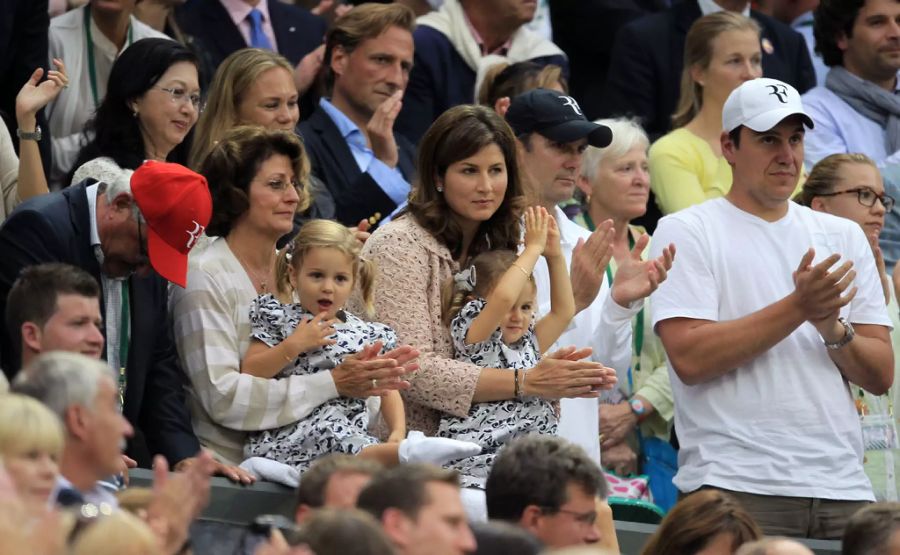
(635, 421)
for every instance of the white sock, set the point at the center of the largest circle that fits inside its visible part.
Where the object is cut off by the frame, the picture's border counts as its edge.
(417, 448)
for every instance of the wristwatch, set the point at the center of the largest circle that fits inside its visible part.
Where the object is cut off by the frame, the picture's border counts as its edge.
(849, 334)
(637, 407)
(29, 135)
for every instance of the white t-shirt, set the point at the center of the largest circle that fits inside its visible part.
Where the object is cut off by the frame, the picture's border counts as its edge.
(785, 423)
(604, 326)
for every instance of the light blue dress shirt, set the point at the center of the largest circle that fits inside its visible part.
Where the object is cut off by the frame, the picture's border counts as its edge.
(389, 179)
(839, 128)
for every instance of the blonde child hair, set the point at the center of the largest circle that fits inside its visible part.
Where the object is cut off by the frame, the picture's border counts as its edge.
(488, 267)
(27, 425)
(327, 234)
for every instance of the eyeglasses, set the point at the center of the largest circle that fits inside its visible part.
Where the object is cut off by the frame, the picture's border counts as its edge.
(180, 95)
(280, 185)
(866, 196)
(587, 518)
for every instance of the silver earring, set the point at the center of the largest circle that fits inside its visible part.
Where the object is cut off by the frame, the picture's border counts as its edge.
(440, 189)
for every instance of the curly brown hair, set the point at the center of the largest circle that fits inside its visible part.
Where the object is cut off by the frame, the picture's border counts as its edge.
(235, 160)
(461, 132)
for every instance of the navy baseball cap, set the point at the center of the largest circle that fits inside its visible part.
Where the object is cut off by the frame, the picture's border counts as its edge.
(555, 116)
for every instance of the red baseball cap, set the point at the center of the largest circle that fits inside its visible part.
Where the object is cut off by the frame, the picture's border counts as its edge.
(176, 205)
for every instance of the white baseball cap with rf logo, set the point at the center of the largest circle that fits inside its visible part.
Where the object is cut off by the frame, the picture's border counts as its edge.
(761, 104)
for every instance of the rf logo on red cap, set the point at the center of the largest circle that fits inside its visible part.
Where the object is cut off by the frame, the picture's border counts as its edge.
(194, 234)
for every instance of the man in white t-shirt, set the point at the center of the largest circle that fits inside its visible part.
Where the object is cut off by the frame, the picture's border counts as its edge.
(770, 311)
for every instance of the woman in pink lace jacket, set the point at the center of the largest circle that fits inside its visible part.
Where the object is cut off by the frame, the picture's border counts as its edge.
(468, 199)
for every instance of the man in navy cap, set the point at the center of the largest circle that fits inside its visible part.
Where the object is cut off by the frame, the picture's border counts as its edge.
(553, 133)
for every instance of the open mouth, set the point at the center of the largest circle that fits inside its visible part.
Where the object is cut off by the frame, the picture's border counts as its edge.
(324, 305)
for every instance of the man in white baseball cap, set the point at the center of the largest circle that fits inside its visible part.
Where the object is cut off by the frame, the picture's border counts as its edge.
(771, 308)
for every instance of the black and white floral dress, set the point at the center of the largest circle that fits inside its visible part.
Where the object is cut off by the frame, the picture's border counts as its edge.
(337, 426)
(493, 424)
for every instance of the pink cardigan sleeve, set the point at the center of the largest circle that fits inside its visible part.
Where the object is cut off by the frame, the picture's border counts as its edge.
(411, 268)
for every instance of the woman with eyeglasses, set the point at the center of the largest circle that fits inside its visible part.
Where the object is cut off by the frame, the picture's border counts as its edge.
(850, 186)
(151, 105)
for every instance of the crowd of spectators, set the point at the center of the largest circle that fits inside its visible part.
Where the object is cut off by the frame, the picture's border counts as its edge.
(382, 253)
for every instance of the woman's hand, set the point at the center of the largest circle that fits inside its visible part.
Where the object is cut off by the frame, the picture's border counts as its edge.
(396, 437)
(563, 374)
(553, 248)
(34, 95)
(311, 334)
(616, 422)
(620, 459)
(635, 278)
(367, 373)
(536, 228)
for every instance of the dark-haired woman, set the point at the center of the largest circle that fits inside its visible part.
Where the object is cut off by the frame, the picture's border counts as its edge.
(468, 199)
(151, 105)
(258, 182)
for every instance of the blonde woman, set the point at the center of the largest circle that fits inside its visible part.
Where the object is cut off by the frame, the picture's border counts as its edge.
(722, 50)
(254, 86)
(850, 186)
(31, 443)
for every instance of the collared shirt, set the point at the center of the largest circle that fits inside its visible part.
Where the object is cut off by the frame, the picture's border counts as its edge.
(389, 179)
(804, 25)
(101, 493)
(840, 128)
(603, 325)
(238, 10)
(710, 6)
(112, 289)
(74, 106)
(501, 50)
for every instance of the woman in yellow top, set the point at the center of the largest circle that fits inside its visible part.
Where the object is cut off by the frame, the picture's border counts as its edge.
(635, 420)
(686, 166)
(850, 186)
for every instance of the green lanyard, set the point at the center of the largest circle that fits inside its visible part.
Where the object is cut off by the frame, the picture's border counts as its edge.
(92, 70)
(124, 338)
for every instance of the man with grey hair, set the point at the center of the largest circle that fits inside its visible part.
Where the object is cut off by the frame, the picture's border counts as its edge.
(82, 392)
(774, 546)
(873, 530)
(132, 234)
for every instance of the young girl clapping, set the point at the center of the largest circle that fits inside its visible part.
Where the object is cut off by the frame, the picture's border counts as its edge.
(320, 269)
(490, 307)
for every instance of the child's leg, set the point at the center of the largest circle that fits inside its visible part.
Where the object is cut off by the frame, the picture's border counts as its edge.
(417, 448)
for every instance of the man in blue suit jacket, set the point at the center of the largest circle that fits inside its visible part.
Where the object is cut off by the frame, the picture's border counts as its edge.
(82, 225)
(350, 139)
(296, 31)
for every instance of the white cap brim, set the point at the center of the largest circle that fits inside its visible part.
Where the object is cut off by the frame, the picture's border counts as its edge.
(768, 120)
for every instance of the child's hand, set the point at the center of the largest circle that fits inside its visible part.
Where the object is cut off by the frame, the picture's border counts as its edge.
(553, 248)
(396, 437)
(536, 228)
(312, 333)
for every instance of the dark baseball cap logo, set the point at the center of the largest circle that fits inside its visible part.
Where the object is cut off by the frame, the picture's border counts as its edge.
(780, 92)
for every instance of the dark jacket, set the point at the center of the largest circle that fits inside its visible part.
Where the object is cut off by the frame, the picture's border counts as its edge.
(297, 31)
(356, 194)
(23, 48)
(440, 79)
(56, 228)
(645, 72)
